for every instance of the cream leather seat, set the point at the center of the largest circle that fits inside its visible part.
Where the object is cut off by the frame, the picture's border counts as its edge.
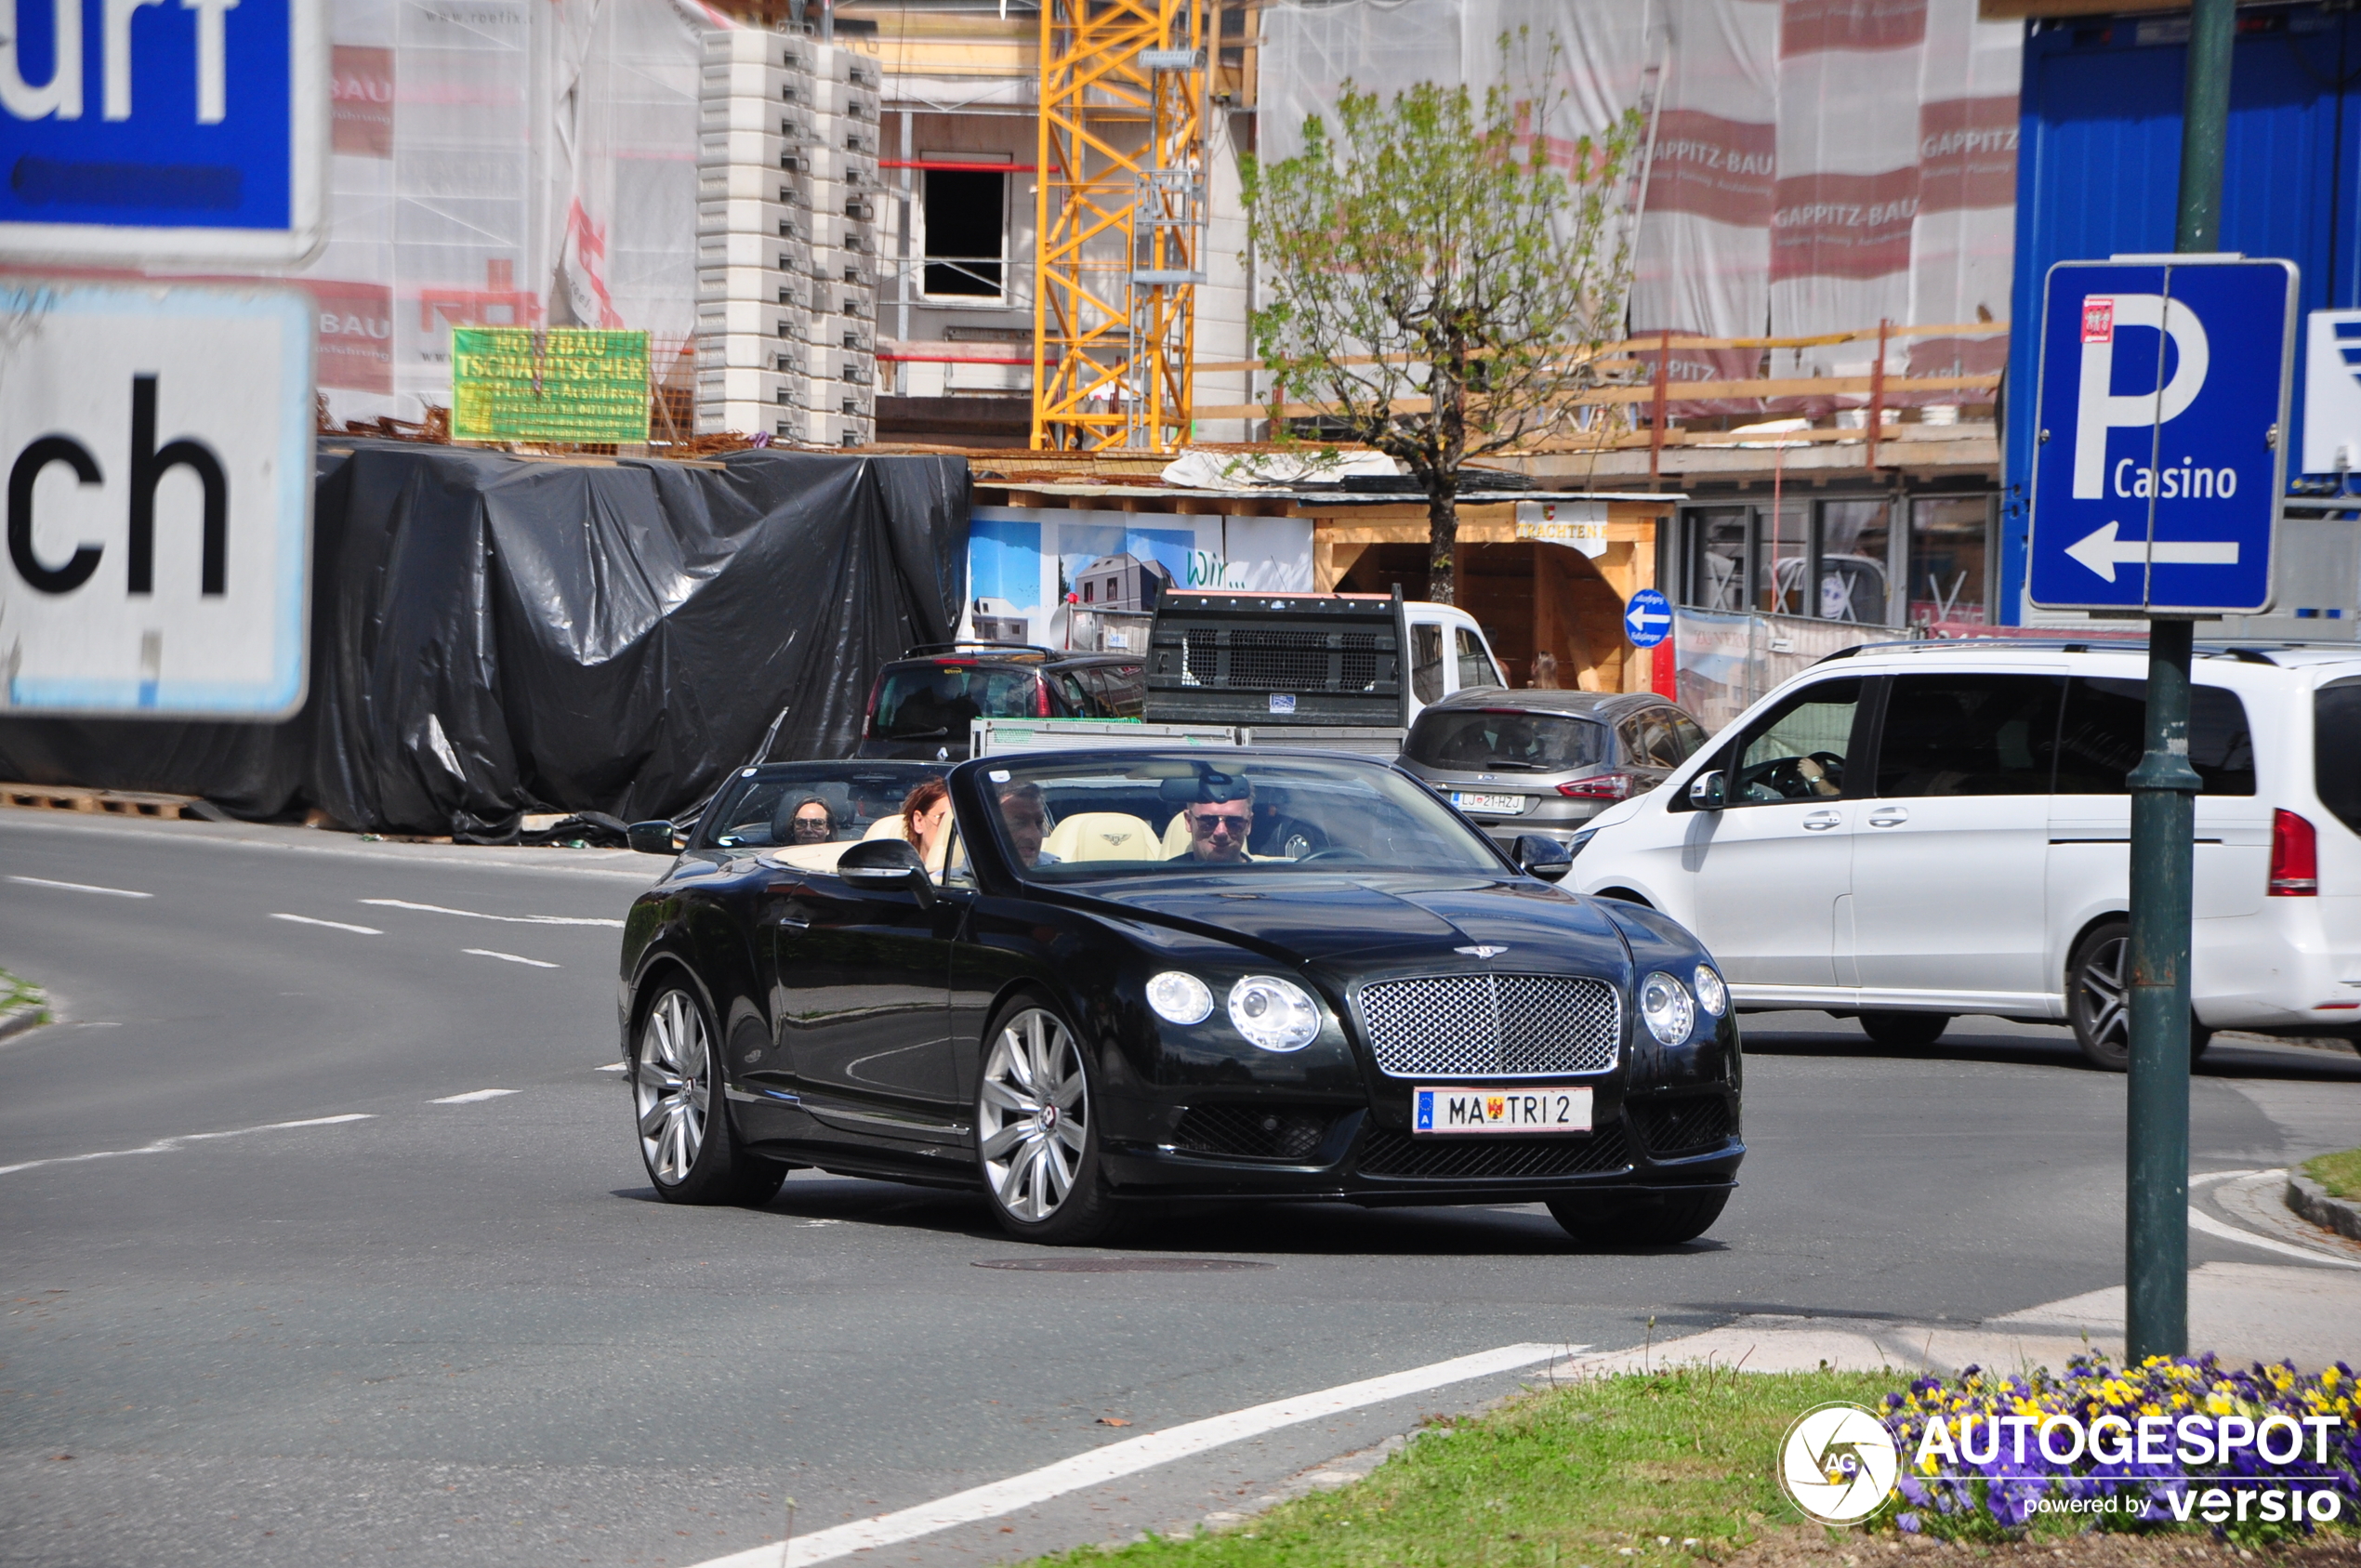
(890, 827)
(1176, 835)
(1103, 836)
(885, 827)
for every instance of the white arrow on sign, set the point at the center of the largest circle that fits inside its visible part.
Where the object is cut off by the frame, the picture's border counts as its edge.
(2103, 552)
(1640, 617)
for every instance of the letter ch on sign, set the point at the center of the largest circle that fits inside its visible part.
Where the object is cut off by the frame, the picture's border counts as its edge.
(148, 465)
(61, 94)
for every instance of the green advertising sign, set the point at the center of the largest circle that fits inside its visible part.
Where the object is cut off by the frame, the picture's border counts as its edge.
(561, 384)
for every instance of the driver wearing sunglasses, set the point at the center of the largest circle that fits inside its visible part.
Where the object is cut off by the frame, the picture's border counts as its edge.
(1220, 821)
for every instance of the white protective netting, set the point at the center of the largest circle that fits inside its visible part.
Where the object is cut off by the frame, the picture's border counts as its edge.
(1810, 166)
(526, 162)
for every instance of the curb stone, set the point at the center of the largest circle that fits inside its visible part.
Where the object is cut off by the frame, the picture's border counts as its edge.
(16, 1021)
(2309, 1199)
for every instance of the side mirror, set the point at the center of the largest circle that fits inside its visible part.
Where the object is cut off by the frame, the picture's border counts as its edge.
(1709, 790)
(1544, 858)
(650, 838)
(880, 865)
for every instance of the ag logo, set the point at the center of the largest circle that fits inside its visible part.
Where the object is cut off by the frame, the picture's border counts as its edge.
(1838, 1463)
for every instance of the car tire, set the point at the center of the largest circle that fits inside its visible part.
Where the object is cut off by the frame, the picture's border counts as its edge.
(686, 1143)
(1898, 1030)
(1037, 1130)
(1654, 1220)
(2099, 999)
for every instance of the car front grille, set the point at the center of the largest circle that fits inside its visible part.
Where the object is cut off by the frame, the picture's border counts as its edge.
(1690, 1125)
(1253, 1132)
(1491, 1155)
(1492, 1026)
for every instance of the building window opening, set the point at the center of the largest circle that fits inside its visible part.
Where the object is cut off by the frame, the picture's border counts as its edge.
(966, 216)
(1950, 562)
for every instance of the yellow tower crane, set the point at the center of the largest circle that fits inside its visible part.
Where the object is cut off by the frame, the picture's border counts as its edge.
(1120, 222)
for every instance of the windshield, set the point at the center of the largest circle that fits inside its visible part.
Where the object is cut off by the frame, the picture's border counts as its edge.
(1489, 739)
(930, 702)
(1102, 815)
(807, 803)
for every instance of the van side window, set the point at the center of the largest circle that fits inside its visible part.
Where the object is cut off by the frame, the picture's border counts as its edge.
(1969, 734)
(2105, 730)
(1796, 751)
(1475, 665)
(1426, 662)
(2336, 749)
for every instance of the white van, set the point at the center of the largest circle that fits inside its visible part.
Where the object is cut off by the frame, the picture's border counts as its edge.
(1920, 830)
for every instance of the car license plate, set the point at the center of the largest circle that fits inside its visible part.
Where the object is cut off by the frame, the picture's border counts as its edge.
(1462, 1110)
(1506, 805)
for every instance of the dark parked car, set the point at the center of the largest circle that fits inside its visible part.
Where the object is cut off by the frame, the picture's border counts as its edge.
(1106, 996)
(1546, 762)
(923, 701)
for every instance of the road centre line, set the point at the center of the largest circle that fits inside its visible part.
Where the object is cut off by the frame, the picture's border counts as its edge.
(86, 888)
(1131, 1457)
(167, 1145)
(510, 919)
(332, 925)
(511, 958)
(471, 1096)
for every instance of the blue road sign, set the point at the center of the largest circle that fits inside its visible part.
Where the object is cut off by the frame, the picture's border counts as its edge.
(2162, 414)
(1647, 618)
(155, 131)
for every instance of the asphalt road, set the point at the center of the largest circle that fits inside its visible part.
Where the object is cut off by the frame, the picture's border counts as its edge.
(455, 1330)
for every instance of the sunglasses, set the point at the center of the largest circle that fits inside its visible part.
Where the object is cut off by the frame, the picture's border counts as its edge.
(1214, 823)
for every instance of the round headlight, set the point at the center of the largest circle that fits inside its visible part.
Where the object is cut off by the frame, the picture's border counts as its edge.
(1712, 995)
(1179, 997)
(1276, 1014)
(1664, 1003)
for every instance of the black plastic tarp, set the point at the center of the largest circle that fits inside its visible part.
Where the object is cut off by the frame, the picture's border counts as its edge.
(494, 635)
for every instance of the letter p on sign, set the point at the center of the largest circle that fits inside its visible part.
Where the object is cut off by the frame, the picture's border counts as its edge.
(2098, 406)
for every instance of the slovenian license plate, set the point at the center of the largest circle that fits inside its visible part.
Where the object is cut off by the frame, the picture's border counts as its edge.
(1506, 805)
(1482, 1110)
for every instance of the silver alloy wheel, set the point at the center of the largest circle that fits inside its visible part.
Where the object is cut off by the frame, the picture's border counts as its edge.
(672, 1086)
(2100, 996)
(1034, 1115)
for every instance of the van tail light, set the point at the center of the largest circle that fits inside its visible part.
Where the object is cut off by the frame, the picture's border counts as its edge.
(2295, 857)
(1598, 786)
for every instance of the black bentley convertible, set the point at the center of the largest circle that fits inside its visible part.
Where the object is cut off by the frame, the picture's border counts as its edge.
(1100, 977)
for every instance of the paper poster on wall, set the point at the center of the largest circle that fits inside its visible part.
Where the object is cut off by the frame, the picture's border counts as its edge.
(1004, 578)
(1023, 565)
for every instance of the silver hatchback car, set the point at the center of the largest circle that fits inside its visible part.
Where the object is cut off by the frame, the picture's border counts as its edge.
(1546, 762)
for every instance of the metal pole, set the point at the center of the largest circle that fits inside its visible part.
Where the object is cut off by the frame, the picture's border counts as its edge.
(2164, 789)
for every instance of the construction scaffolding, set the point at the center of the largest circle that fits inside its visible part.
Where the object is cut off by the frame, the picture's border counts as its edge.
(1120, 215)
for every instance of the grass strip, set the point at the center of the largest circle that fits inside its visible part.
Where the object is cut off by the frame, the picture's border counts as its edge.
(2341, 1174)
(22, 995)
(1668, 1463)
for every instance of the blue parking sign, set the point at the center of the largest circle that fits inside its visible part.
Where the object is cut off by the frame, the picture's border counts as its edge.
(164, 131)
(2162, 434)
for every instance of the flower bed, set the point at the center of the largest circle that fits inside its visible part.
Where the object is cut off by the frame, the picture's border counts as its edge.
(1989, 1472)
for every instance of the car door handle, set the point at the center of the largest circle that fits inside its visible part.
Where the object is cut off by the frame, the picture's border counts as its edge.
(1888, 816)
(1820, 822)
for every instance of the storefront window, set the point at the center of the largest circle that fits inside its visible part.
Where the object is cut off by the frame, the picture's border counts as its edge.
(1949, 561)
(1717, 566)
(1787, 560)
(1853, 561)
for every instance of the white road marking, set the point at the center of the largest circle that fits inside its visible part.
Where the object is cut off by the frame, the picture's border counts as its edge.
(2199, 1220)
(510, 919)
(616, 1067)
(332, 925)
(166, 1145)
(511, 958)
(471, 1096)
(1131, 1457)
(86, 888)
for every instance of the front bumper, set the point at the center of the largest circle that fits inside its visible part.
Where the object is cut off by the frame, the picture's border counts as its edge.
(1361, 1159)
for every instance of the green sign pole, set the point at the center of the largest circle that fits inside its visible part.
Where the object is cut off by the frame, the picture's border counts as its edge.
(2164, 792)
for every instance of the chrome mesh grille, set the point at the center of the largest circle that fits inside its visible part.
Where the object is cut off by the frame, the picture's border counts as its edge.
(1492, 1026)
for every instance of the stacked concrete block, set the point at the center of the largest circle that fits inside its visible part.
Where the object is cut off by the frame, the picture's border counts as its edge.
(786, 239)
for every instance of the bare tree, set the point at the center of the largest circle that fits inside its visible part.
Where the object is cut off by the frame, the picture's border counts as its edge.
(1440, 276)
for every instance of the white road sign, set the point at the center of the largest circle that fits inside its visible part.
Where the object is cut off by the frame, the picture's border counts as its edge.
(157, 442)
